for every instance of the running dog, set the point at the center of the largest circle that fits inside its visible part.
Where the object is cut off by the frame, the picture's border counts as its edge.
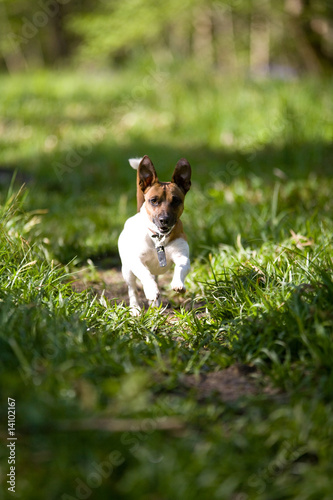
(153, 239)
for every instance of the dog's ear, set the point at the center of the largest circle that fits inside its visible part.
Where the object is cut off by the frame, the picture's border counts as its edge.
(182, 175)
(146, 173)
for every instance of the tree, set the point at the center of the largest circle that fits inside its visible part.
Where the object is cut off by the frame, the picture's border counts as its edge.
(228, 35)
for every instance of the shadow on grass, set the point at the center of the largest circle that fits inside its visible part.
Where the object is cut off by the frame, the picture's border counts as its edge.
(88, 166)
(90, 189)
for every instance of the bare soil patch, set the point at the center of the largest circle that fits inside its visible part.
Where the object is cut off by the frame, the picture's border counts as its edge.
(229, 385)
(112, 284)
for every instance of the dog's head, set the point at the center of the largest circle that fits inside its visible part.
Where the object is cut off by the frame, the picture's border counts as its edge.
(164, 201)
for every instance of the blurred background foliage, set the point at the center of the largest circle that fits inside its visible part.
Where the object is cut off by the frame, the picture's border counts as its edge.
(257, 36)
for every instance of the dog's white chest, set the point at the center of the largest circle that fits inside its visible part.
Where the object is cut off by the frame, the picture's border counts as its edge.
(147, 252)
(150, 259)
(135, 243)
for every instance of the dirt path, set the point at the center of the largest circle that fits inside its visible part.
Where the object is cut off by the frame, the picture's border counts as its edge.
(229, 384)
(112, 284)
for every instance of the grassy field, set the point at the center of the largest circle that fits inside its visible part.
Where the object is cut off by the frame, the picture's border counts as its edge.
(228, 393)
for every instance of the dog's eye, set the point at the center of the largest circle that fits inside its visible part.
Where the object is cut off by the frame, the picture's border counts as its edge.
(154, 201)
(176, 200)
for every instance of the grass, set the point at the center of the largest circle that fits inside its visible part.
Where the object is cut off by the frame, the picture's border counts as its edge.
(104, 408)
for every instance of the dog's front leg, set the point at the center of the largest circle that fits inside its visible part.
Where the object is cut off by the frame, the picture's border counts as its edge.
(180, 257)
(130, 279)
(149, 284)
(181, 271)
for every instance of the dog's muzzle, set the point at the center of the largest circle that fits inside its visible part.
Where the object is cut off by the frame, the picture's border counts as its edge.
(164, 223)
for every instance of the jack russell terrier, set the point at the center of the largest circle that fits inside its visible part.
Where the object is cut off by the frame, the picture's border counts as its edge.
(154, 239)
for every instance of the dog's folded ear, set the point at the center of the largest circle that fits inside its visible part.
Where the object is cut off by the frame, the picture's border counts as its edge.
(182, 175)
(146, 173)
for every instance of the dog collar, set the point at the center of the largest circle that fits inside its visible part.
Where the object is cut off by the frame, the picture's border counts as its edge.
(158, 240)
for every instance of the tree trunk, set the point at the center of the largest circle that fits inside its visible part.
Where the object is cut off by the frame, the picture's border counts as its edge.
(203, 36)
(259, 44)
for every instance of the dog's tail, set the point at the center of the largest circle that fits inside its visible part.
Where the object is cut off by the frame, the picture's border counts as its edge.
(135, 162)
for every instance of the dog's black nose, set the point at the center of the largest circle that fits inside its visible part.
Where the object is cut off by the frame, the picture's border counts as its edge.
(164, 220)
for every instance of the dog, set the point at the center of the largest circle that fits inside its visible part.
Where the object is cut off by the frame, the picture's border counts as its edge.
(154, 239)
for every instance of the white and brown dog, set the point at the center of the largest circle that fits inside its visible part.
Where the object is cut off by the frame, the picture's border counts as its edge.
(153, 239)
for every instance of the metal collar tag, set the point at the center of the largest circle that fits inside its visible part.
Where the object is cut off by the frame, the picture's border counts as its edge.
(158, 239)
(161, 256)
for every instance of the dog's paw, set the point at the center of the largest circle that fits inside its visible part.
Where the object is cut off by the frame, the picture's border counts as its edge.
(178, 286)
(155, 303)
(135, 310)
(151, 292)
